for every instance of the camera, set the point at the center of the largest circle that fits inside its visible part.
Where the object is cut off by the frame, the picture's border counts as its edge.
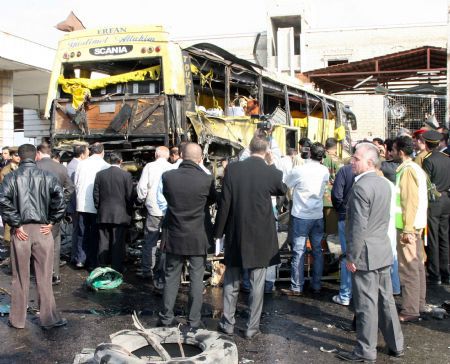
(264, 125)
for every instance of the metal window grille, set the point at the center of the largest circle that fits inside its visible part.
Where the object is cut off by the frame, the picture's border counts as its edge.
(411, 111)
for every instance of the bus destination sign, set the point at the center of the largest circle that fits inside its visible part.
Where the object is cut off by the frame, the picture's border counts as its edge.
(111, 50)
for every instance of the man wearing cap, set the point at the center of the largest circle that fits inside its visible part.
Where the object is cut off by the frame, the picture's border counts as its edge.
(437, 165)
(419, 145)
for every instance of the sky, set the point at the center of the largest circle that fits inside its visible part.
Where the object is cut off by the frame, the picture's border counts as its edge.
(35, 20)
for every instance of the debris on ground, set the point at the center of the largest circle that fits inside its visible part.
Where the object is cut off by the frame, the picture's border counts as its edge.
(323, 350)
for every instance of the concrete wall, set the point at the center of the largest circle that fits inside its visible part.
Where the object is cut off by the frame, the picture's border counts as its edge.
(6, 109)
(362, 43)
(369, 111)
(34, 126)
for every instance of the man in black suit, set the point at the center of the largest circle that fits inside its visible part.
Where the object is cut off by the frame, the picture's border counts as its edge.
(188, 191)
(246, 218)
(113, 199)
(45, 163)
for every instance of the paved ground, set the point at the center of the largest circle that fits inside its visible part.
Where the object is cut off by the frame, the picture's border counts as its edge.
(293, 329)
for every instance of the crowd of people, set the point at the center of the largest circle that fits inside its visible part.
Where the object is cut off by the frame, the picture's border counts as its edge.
(389, 204)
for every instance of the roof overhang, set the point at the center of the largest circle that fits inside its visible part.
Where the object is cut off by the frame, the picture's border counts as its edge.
(396, 71)
(31, 64)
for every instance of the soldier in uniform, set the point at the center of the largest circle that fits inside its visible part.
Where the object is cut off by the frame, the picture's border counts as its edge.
(437, 165)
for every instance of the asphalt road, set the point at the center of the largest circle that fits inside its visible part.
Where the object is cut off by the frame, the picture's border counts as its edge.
(294, 328)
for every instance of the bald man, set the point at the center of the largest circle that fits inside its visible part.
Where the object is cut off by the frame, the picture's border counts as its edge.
(147, 190)
(188, 191)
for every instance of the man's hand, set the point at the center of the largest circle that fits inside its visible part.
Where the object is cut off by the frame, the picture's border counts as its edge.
(351, 267)
(20, 233)
(46, 229)
(269, 157)
(408, 238)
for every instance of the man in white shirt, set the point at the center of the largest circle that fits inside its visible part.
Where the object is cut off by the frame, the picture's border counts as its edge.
(147, 190)
(308, 182)
(78, 256)
(84, 186)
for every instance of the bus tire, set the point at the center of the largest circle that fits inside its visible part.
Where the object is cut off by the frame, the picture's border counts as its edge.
(216, 347)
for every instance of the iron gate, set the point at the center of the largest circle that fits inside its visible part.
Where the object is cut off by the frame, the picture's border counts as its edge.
(411, 111)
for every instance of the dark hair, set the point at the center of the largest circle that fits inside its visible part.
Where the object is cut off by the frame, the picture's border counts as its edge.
(181, 147)
(378, 140)
(445, 135)
(115, 157)
(389, 143)
(174, 151)
(55, 155)
(79, 150)
(258, 145)
(405, 144)
(27, 151)
(5, 148)
(44, 148)
(330, 143)
(431, 145)
(304, 142)
(97, 148)
(317, 152)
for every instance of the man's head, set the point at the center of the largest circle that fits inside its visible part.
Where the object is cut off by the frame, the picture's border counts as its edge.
(162, 152)
(388, 145)
(331, 145)
(43, 150)
(432, 139)
(115, 158)
(317, 152)
(80, 151)
(418, 141)
(444, 141)
(97, 149)
(291, 152)
(305, 145)
(14, 153)
(181, 147)
(366, 158)
(27, 151)
(174, 154)
(56, 156)
(5, 153)
(259, 146)
(403, 148)
(192, 152)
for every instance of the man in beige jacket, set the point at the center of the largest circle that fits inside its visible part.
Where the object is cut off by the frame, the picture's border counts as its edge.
(411, 219)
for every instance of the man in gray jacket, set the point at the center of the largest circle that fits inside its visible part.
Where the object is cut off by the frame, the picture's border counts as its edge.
(369, 257)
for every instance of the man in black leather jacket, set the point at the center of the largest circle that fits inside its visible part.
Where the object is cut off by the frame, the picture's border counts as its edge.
(31, 202)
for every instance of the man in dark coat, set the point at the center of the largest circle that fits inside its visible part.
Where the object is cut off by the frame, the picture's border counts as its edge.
(45, 163)
(32, 202)
(188, 191)
(113, 199)
(246, 218)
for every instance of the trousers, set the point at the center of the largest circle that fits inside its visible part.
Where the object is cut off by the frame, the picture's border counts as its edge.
(39, 247)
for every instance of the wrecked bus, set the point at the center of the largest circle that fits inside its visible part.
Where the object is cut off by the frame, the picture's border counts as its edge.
(133, 89)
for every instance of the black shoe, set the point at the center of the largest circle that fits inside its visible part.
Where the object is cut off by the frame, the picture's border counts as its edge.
(56, 280)
(350, 356)
(62, 322)
(396, 354)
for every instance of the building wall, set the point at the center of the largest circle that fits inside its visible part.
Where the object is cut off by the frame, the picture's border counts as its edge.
(369, 111)
(361, 43)
(34, 126)
(6, 109)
